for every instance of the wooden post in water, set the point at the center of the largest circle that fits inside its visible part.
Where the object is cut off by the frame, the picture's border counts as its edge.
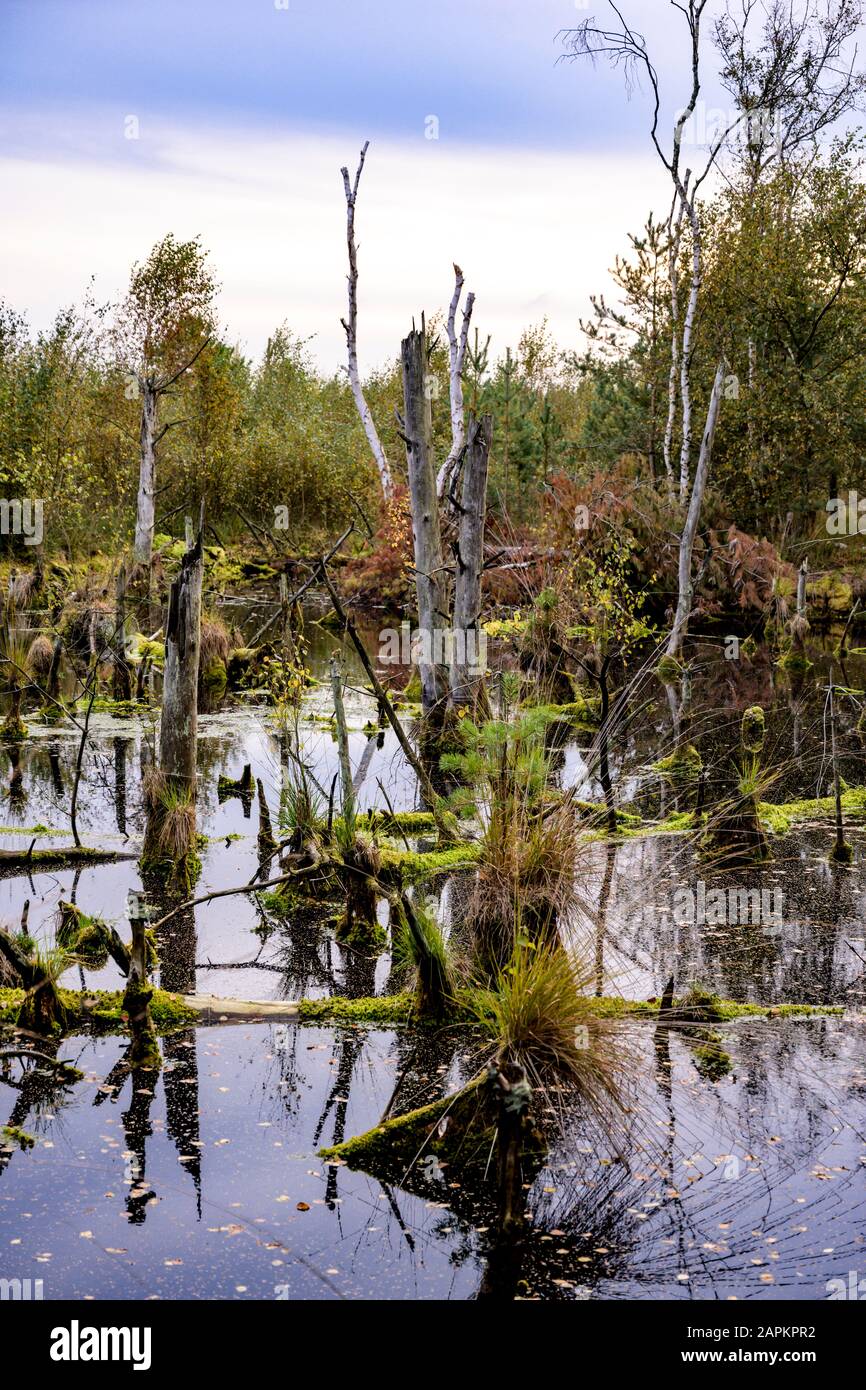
(169, 844)
(179, 726)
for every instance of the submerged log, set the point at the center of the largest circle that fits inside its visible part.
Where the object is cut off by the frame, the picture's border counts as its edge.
(454, 1136)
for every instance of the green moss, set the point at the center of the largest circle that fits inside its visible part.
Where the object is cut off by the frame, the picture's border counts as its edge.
(596, 813)
(13, 729)
(120, 709)
(780, 818)
(400, 1141)
(753, 729)
(409, 822)
(214, 679)
(181, 874)
(669, 670)
(792, 660)
(832, 591)
(584, 712)
(72, 854)
(711, 1059)
(677, 823)
(83, 937)
(841, 854)
(142, 647)
(698, 1006)
(683, 765)
(404, 867)
(412, 690)
(14, 1135)
(32, 830)
(103, 1010)
(370, 938)
(385, 1009)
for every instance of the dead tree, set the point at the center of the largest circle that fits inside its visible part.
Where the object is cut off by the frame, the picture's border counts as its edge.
(788, 85)
(144, 1049)
(456, 360)
(170, 835)
(122, 680)
(841, 852)
(685, 585)
(178, 725)
(430, 575)
(42, 1011)
(469, 556)
(350, 326)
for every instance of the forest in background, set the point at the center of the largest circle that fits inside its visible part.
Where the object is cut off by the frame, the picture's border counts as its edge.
(275, 446)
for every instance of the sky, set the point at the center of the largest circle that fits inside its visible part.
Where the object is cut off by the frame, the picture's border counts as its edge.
(121, 120)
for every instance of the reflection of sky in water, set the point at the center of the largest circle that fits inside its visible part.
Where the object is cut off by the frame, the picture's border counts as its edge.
(751, 1185)
(668, 1222)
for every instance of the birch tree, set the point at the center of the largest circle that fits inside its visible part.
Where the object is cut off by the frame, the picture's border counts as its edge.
(163, 325)
(788, 84)
(350, 327)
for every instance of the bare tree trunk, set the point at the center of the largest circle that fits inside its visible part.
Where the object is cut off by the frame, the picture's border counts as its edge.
(686, 350)
(350, 326)
(673, 264)
(430, 577)
(687, 540)
(470, 563)
(841, 852)
(145, 514)
(456, 359)
(347, 797)
(266, 844)
(144, 1049)
(122, 678)
(178, 725)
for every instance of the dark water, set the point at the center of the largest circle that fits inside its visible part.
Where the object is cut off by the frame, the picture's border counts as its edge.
(746, 1185)
(751, 1186)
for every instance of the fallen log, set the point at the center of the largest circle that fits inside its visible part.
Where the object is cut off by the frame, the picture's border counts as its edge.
(212, 1009)
(28, 860)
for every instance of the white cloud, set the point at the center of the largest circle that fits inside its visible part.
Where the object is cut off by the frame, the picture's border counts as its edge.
(535, 232)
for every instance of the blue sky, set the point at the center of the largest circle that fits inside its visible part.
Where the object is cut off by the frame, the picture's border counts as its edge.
(244, 113)
(487, 67)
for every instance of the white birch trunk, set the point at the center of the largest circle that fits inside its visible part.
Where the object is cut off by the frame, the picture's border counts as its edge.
(350, 326)
(686, 352)
(687, 540)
